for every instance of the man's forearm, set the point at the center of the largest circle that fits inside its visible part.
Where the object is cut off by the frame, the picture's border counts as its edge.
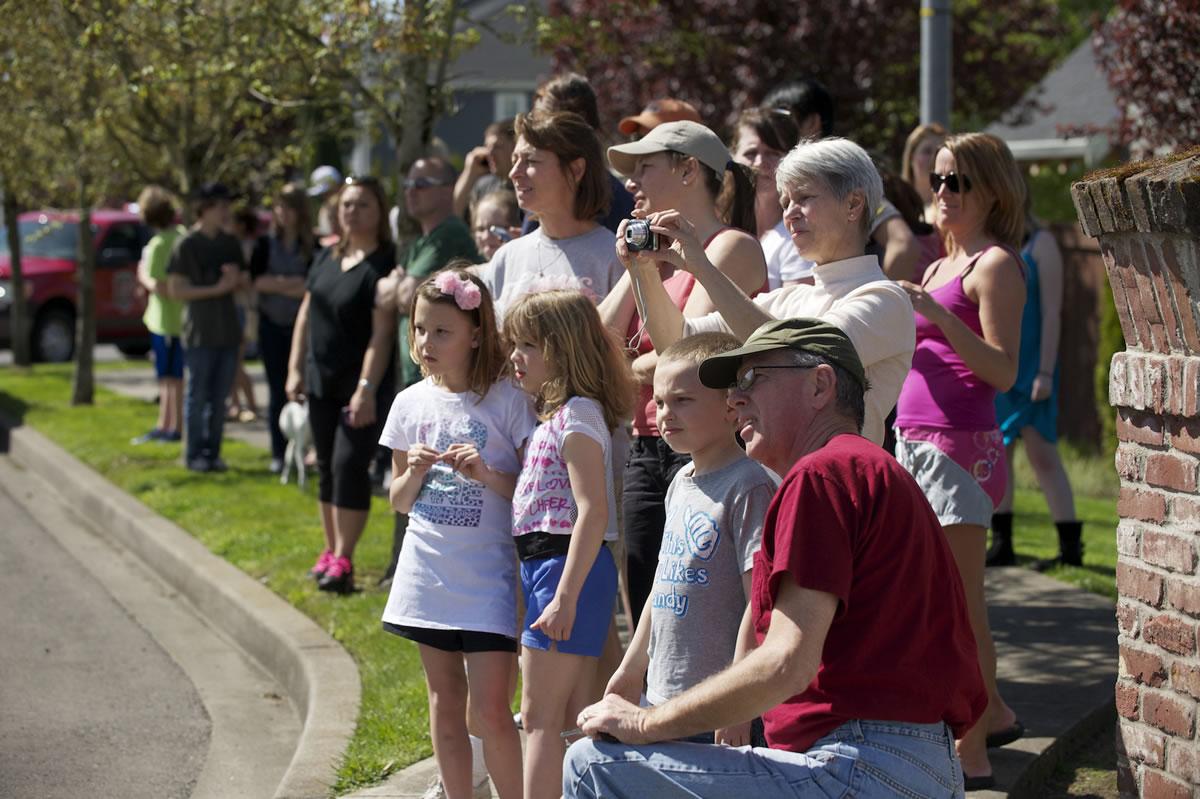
(746, 689)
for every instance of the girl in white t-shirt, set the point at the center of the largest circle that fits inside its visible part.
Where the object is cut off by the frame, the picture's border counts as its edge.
(564, 512)
(455, 439)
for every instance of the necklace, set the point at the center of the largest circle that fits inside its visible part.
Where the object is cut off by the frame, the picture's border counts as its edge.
(542, 265)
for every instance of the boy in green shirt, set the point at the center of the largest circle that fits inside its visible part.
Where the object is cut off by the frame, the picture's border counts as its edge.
(164, 316)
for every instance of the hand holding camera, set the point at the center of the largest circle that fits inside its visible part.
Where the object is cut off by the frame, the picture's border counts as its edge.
(664, 236)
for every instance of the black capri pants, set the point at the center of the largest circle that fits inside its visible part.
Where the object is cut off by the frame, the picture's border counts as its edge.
(344, 453)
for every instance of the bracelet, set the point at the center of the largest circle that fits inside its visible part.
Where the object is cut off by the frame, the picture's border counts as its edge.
(365, 383)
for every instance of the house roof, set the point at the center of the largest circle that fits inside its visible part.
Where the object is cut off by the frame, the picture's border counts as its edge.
(1073, 95)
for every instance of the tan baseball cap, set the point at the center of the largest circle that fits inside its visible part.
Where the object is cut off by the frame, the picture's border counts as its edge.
(657, 112)
(689, 138)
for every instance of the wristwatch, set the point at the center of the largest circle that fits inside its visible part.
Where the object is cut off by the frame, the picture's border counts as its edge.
(365, 383)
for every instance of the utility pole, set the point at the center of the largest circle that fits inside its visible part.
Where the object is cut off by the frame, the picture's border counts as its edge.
(935, 62)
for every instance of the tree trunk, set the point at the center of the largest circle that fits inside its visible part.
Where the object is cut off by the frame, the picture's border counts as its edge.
(412, 133)
(19, 317)
(83, 387)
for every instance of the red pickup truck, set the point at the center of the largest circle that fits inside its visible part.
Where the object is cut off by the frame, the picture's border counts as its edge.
(48, 261)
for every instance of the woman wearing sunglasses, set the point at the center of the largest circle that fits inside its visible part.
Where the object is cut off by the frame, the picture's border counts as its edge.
(968, 312)
(341, 360)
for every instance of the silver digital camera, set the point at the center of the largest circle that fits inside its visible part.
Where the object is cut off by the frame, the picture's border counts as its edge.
(639, 236)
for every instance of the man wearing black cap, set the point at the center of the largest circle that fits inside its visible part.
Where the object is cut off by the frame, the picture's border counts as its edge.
(206, 267)
(866, 667)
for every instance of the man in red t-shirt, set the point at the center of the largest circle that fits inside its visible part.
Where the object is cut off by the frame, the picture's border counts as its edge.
(866, 668)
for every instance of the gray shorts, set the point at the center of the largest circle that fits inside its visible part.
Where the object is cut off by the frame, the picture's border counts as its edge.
(956, 496)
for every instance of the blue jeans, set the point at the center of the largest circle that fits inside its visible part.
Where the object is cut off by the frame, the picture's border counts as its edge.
(210, 372)
(859, 758)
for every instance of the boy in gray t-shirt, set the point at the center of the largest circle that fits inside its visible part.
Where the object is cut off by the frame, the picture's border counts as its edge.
(689, 629)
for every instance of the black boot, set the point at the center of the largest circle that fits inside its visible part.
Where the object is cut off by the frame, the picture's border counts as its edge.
(1000, 553)
(1070, 547)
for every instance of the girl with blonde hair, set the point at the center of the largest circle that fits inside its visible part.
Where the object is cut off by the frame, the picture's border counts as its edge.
(564, 514)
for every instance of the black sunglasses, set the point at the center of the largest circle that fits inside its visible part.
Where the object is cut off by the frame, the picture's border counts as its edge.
(423, 183)
(362, 180)
(951, 180)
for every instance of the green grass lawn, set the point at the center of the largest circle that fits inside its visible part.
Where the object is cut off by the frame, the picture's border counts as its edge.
(1094, 479)
(272, 532)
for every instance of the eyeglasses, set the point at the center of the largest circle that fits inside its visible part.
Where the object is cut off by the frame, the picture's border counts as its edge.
(747, 380)
(362, 180)
(951, 180)
(422, 183)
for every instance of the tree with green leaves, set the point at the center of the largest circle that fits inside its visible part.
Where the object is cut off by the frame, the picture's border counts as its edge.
(57, 102)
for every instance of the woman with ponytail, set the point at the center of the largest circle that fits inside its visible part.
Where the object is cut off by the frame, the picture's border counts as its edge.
(684, 167)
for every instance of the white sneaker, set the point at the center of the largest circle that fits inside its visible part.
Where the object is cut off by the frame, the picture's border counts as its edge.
(481, 790)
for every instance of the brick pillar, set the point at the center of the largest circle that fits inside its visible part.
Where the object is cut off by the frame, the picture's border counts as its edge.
(1147, 219)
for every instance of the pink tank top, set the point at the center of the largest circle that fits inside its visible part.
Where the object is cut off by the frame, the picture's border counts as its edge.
(940, 391)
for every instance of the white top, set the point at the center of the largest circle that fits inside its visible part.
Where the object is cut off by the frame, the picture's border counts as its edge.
(457, 569)
(783, 262)
(536, 262)
(873, 311)
(544, 501)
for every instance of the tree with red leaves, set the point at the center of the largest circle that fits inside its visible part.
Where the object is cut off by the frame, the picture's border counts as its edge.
(724, 55)
(1150, 51)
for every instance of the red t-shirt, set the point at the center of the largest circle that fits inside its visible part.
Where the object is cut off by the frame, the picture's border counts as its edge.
(850, 521)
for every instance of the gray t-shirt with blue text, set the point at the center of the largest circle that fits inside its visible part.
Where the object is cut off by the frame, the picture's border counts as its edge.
(714, 527)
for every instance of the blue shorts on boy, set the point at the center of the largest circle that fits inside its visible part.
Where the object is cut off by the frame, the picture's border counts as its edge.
(168, 356)
(714, 527)
(457, 569)
(545, 503)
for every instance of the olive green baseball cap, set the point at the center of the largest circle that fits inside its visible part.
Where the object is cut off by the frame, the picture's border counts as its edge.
(808, 335)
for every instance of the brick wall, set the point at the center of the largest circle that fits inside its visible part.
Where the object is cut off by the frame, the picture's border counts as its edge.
(1147, 220)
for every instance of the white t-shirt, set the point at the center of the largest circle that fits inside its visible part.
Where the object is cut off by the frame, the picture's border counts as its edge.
(536, 262)
(873, 311)
(544, 501)
(457, 569)
(783, 262)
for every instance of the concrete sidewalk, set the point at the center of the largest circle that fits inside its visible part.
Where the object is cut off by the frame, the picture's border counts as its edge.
(1057, 649)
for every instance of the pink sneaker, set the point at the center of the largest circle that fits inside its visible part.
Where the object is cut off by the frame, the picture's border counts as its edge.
(322, 565)
(339, 577)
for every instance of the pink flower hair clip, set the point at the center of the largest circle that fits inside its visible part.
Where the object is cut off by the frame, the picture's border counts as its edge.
(466, 294)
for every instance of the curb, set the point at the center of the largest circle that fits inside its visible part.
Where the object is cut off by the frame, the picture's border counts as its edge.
(319, 676)
(1033, 779)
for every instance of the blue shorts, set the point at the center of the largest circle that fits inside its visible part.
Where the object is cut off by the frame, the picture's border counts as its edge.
(593, 611)
(168, 356)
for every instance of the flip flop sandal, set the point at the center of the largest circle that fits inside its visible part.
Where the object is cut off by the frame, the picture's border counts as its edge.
(1005, 737)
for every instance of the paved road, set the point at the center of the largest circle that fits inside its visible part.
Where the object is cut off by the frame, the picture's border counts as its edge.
(91, 705)
(110, 683)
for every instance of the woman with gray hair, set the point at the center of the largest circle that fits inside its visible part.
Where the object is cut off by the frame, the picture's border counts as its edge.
(830, 189)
